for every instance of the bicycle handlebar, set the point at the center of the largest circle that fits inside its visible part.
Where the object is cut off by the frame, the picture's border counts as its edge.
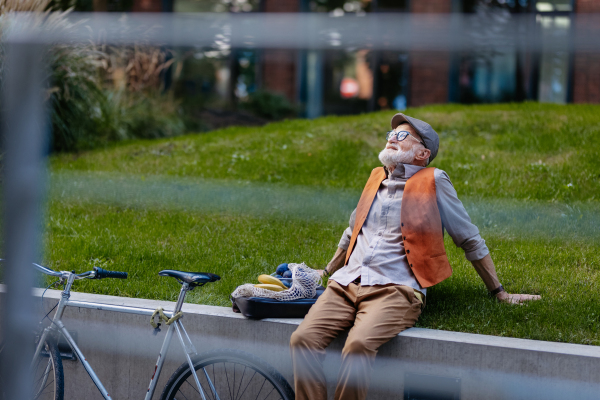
(103, 273)
(46, 270)
(97, 273)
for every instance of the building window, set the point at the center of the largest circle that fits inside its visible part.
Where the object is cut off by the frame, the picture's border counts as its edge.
(554, 6)
(554, 21)
(485, 74)
(348, 81)
(392, 81)
(216, 5)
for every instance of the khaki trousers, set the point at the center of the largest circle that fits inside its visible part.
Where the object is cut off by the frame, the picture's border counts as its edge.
(375, 314)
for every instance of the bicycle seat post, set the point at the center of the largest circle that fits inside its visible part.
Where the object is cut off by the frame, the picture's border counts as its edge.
(185, 287)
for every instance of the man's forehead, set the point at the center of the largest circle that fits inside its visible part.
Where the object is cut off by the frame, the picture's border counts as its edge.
(405, 126)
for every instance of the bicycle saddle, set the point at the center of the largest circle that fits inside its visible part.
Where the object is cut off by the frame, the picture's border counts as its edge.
(193, 278)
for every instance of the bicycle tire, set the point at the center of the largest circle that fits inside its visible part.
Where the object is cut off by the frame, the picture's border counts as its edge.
(48, 375)
(264, 382)
(48, 384)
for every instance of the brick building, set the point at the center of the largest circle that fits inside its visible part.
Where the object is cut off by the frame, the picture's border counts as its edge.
(345, 82)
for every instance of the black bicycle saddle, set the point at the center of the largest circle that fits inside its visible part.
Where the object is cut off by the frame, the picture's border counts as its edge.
(192, 278)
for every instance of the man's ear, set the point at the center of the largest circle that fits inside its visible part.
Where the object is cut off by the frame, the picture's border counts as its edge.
(423, 154)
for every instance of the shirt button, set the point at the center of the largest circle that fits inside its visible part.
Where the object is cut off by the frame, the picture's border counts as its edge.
(407, 251)
(379, 233)
(390, 196)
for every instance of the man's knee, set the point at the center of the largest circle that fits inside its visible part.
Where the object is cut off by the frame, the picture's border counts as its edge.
(357, 345)
(301, 338)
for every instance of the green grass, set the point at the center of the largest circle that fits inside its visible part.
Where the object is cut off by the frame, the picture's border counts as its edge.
(525, 151)
(239, 201)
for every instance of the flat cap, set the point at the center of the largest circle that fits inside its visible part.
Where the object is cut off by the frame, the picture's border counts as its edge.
(429, 136)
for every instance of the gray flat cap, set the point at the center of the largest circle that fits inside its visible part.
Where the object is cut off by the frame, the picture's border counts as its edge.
(430, 137)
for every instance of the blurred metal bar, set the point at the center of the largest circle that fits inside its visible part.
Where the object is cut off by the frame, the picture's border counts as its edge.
(115, 308)
(23, 131)
(375, 31)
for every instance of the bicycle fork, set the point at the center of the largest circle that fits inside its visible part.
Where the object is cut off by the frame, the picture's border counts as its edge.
(59, 327)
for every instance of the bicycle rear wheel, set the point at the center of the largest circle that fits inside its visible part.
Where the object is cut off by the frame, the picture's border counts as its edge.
(235, 375)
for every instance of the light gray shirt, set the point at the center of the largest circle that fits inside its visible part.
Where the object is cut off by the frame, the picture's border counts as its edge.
(379, 257)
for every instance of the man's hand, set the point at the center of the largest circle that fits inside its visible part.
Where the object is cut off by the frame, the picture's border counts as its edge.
(487, 272)
(324, 278)
(505, 297)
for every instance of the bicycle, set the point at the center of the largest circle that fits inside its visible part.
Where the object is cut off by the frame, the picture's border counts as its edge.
(212, 373)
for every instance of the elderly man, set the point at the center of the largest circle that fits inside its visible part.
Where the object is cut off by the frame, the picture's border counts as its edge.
(390, 254)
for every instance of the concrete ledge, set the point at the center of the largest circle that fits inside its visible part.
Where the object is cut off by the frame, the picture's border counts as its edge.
(122, 350)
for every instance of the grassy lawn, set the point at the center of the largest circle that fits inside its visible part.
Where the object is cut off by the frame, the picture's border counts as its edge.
(240, 201)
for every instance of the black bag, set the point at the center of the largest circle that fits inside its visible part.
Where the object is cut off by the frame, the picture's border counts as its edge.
(263, 307)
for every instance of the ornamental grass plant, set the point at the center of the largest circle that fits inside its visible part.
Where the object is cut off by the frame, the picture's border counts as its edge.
(98, 94)
(240, 201)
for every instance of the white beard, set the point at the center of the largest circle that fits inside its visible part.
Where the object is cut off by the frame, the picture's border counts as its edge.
(392, 157)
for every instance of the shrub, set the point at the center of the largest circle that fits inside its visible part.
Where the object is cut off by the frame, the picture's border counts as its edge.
(76, 98)
(131, 115)
(85, 112)
(268, 105)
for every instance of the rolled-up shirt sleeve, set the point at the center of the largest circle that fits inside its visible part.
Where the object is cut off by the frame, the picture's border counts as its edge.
(456, 221)
(345, 240)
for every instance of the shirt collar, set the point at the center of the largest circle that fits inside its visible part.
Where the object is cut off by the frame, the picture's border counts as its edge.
(405, 171)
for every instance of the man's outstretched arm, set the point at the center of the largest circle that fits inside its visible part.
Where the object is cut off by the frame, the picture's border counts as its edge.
(486, 270)
(457, 223)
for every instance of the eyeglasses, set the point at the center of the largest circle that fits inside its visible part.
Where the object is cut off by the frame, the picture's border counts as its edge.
(400, 136)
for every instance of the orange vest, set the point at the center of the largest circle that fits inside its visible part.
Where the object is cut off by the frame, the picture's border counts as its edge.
(421, 225)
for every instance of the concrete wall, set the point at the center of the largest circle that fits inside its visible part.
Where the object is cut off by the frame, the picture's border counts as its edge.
(122, 349)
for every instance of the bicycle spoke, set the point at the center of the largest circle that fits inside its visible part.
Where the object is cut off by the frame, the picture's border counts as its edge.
(227, 377)
(192, 386)
(270, 393)
(42, 391)
(209, 390)
(46, 371)
(214, 383)
(248, 384)
(185, 397)
(39, 380)
(41, 384)
(241, 380)
(263, 384)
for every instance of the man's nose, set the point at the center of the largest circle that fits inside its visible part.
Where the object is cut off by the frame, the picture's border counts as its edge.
(393, 139)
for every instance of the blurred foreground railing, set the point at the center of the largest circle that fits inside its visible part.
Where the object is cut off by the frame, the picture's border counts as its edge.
(24, 126)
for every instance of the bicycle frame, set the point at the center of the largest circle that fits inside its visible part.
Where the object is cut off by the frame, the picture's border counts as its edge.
(57, 326)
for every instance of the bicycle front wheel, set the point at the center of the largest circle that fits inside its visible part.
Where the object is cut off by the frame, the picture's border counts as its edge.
(48, 383)
(47, 374)
(233, 375)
